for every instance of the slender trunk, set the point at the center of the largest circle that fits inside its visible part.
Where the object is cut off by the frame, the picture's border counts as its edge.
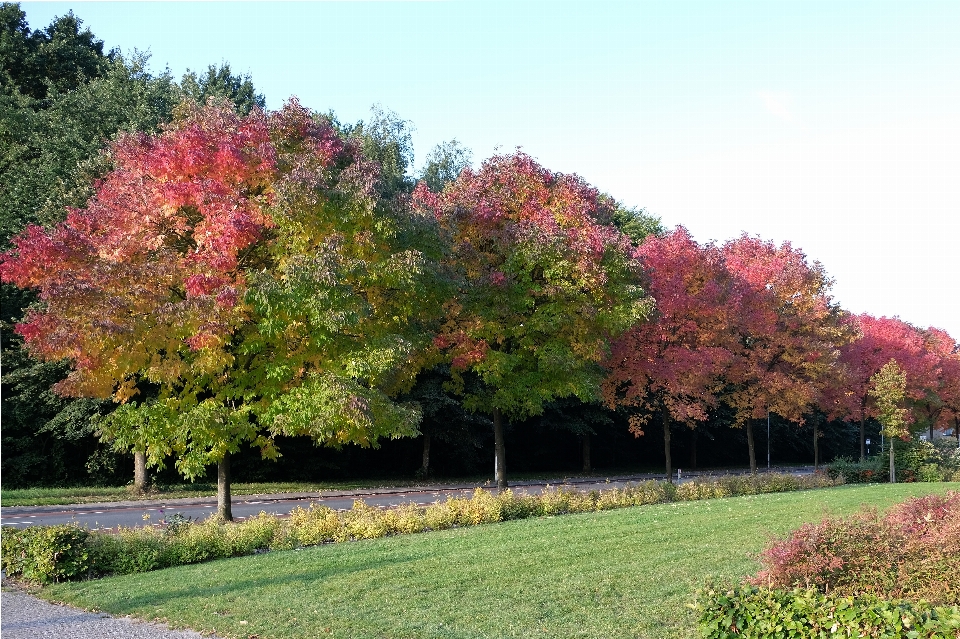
(893, 470)
(587, 467)
(425, 464)
(816, 447)
(500, 458)
(223, 488)
(863, 440)
(752, 448)
(666, 446)
(693, 448)
(139, 472)
(931, 431)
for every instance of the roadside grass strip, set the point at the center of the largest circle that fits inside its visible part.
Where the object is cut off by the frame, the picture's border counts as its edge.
(621, 573)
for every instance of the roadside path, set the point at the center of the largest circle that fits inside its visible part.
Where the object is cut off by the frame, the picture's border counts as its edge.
(26, 617)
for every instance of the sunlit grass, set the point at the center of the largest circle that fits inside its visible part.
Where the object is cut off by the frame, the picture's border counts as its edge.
(623, 573)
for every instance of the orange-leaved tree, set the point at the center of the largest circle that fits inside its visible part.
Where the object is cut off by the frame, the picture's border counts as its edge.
(232, 279)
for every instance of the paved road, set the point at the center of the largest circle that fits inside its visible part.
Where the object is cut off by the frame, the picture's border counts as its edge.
(144, 513)
(26, 617)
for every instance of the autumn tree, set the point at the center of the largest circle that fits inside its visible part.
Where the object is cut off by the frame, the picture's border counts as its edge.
(543, 282)
(878, 340)
(888, 387)
(787, 333)
(940, 368)
(244, 270)
(669, 369)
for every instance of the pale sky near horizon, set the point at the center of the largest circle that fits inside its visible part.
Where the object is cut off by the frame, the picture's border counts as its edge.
(833, 125)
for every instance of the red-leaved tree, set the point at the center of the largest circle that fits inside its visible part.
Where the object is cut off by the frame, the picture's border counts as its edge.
(786, 335)
(670, 368)
(879, 340)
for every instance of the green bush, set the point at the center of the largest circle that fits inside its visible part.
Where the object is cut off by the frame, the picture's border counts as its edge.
(751, 612)
(45, 553)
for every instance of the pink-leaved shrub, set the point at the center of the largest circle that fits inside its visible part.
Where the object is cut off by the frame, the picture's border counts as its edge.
(911, 553)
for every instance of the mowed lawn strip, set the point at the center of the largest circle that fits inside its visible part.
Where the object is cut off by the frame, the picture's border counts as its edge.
(621, 573)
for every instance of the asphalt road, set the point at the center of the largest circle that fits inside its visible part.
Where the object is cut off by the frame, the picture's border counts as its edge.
(145, 513)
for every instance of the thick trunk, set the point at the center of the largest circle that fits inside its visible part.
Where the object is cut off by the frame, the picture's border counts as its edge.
(586, 453)
(666, 446)
(893, 471)
(500, 458)
(223, 489)
(931, 430)
(693, 448)
(863, 440)
(425, 464)
(751, 447)
(816, 447)
(140, 472)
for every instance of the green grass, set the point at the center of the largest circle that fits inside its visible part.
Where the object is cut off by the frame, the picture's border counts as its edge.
(623, 573)
(86, 495)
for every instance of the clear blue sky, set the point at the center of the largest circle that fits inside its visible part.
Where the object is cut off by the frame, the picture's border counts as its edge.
(834, 125)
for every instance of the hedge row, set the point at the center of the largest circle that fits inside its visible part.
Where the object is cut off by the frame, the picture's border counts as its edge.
(45, 554)
(752, 612)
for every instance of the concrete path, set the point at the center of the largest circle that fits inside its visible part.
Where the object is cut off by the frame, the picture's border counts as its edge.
(23, 616)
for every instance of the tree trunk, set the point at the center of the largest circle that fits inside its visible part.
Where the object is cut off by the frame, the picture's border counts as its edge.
(693, 448)
(223, 489)
(751, 447)
(500, 457)
(863, 440)
(425, 464)
(893, 471)
(140, 472)
(587, 467)
(666, 446)
(816, 448)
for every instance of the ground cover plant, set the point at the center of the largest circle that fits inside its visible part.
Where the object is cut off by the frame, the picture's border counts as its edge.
(623, 573)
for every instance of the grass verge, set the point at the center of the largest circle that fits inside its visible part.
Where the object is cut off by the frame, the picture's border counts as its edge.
(622, 573)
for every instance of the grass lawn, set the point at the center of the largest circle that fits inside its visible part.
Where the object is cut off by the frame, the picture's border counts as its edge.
(621, 573)
(94, 494)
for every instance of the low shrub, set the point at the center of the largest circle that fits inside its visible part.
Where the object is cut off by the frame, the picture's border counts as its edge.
(908, 553)
(45, 553)
(752, 612)
(182, 541)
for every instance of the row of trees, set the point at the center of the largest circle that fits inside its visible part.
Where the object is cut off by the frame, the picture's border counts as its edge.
(751, 325)
(242, 276)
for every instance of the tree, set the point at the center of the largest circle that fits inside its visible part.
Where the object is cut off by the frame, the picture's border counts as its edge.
(542, 282)
(40, 63)
(879, 340)
(61, 100)
(219, 82)
(243, 269)
(787, 333)
(889, 388)
(671, 367)
(444, 165)
(940, 374)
